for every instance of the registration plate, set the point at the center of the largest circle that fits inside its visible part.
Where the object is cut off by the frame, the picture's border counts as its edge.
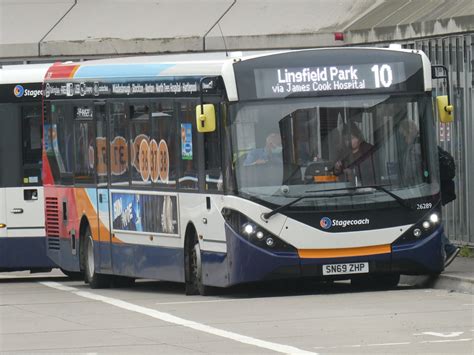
(349, 268)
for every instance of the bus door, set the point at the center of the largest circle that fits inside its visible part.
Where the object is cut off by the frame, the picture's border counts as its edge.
(24, 196)
(103, 203)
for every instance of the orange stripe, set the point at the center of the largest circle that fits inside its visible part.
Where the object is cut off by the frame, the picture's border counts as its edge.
(73, 71)
(346, 252)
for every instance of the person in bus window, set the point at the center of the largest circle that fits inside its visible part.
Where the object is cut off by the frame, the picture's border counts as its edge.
(411, 158)
(270, 153)
(356, 157)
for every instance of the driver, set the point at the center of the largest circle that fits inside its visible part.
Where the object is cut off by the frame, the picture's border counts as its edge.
(271, 151)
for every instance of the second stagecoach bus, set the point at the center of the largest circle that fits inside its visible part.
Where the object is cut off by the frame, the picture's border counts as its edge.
(22, 231)
(148, 164)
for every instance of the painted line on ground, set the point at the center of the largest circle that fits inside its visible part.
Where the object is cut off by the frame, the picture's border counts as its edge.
(446, 341)
(441, 335)
(389, 344)
(394, 344)
(169, 318)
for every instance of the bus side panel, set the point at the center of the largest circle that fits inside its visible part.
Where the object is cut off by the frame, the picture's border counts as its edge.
(86, 206)
(22, 242)
(62, 227)
(215, 268)
(3, 213)
(159, 263)
(421, 257)
(248, 263)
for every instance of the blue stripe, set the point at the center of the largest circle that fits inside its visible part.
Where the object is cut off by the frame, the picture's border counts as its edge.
(120, 70)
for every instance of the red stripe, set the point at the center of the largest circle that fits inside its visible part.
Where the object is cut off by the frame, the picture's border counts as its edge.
(61, 71)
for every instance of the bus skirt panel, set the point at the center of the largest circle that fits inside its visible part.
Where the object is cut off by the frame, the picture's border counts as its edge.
(420, 258)
(247, 262)
(24, 253)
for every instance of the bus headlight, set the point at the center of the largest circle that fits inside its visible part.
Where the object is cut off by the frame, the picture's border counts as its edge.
(2, 225)
(426, 224)
(249, 229)
(434, 218)
(254, 233)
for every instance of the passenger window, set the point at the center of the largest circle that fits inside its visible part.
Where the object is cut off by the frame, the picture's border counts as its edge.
(140, 143)
(162, 145)
(32, 135)
(60, 141)
(188, 145)
(84, 143)
(119, 150)
(212, 160)
(101, 144)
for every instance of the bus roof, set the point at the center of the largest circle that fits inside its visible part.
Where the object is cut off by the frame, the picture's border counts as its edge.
(26, 73)
(188, 65)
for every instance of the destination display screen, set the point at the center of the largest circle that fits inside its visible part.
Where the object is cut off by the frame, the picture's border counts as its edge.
(282, 82)
(171, 86)
(325, 72)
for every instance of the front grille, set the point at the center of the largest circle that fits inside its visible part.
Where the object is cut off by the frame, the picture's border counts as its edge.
(52, 217)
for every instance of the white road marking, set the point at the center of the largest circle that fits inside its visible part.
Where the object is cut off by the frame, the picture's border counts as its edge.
(442, 335)
(30, 276)
(166, 317)
(445, 341)
(389, 344)
(395, 344)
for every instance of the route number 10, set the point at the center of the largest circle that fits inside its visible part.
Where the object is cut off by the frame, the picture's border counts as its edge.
(383, 75)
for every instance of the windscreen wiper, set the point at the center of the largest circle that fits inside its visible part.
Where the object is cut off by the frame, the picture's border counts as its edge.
(316, 193)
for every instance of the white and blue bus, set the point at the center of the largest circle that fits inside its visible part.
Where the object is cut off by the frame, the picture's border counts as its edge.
(22, 229)
(215, 171)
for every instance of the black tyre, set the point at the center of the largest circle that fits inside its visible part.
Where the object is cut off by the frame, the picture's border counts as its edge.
(94, 279)
(122, 281)
(73, 275)
(377, 282)
(194, 285)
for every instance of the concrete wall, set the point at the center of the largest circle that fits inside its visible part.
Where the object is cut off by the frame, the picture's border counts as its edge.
(91, 28)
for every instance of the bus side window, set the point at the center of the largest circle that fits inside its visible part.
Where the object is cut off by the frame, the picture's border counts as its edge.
(189, 178)
(84, 144)
(32, 133)
(140, 143)
(119, 150)
(60, 133)
(101, 144)
(212, 158)
(163, 144)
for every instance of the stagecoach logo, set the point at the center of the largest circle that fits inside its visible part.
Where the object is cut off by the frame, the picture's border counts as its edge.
(325, 223)
(18, 91)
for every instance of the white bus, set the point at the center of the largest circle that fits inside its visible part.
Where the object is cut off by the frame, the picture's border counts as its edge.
(22, 230)
(215, 171)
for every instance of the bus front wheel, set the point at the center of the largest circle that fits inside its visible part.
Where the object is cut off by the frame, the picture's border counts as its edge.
(194, 285)
(379, 281)
(94, 279)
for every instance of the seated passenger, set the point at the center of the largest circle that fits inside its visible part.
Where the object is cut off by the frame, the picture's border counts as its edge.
(270, 153)
(412, 170)
(356, 158)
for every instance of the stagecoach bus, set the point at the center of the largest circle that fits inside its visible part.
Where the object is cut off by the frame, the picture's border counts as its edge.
(215, 171)
(22, 231)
